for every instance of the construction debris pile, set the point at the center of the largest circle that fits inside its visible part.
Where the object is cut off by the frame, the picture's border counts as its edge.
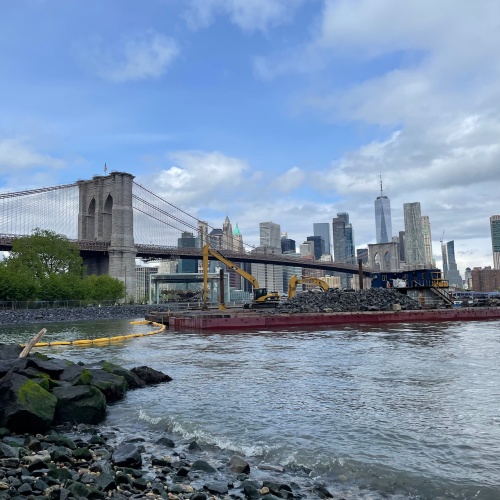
(336, 300)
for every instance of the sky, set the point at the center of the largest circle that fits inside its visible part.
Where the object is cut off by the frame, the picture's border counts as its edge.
(263, 110)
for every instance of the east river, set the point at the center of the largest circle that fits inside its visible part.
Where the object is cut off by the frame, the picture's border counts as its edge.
(402, 411)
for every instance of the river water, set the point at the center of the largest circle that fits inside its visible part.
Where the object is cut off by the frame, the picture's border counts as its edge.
(399, 411)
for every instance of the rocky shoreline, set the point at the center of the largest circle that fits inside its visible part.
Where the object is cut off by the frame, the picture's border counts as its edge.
(88, 462)
(52, 448)
(22, 316)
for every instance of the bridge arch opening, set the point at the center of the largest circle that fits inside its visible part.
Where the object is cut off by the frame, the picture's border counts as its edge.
(90, 233)
(387, 261)
(107, 218)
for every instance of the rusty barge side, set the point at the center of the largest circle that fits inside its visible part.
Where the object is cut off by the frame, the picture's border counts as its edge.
(235, 321)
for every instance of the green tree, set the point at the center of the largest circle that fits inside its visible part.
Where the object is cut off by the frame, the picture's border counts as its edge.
(17, 284)
(46, 253)
(104, 287)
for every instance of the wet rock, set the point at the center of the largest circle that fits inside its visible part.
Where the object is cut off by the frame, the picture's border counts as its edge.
(203, 466)
(112, 386)
(150, 376)
(238, 465)
(133, 381)
(79, 404)
(24, 405)
(127, 455)
(217, 487)
(164, 441)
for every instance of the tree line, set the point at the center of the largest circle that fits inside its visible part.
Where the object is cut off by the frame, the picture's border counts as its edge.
(47, 266)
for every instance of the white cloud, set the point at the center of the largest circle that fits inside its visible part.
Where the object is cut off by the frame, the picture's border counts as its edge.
(16, 154)
(248, 15)
(290, 180)
(199, 178)
(145, 56)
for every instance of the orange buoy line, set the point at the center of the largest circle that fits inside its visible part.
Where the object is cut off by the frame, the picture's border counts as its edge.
(105, 340)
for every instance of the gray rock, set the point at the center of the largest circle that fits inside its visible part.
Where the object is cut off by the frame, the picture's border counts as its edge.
(127, 455)
(79, 404)
(238, 465)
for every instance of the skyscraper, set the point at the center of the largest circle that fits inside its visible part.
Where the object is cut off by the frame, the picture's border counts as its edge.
(414, 237)
(453, 275)
(383, 220)
(227, 234)
(426, 231)
(339, 239)
(343, 243)
(270, 235)
(495, 240)
(323, 229)
(319, 246)
(268, 275)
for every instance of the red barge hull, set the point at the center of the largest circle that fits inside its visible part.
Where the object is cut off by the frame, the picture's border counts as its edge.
(236, 321)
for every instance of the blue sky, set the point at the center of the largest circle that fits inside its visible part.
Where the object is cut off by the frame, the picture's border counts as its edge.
(282, 110)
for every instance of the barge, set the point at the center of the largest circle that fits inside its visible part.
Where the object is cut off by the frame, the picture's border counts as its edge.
(226, 320)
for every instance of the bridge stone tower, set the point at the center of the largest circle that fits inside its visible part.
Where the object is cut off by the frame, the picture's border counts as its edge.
(105, 215)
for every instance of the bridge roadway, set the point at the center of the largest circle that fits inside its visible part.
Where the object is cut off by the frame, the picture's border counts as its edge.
(161, 252)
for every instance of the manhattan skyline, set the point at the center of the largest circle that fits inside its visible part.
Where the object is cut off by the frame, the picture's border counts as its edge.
(283, 110)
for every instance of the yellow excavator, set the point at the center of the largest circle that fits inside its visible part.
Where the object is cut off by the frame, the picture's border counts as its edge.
(261, 297)
(294, 281)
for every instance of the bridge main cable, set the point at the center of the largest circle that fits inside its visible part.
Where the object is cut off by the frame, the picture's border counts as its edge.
(36, 191)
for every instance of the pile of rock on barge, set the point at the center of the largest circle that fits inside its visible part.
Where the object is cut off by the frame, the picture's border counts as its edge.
(52, 449)
(311, 308)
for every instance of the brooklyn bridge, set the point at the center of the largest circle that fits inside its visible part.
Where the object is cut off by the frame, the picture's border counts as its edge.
(115, 220)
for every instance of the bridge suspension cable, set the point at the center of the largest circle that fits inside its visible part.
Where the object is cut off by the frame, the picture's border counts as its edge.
(52, 208)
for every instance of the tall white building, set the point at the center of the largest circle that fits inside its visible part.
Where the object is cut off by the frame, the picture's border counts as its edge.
(268, 275)
(270, 234)
(426, 231)
(414, 237)
(495, 240)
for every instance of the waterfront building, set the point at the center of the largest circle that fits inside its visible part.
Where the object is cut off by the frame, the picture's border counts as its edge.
(289, 271)
(323, 229)
(426, 231)
(485, 279)
(414, 237)
(142, 274)
(383, 219)
(187, 240)
(495, 239)
(453, 275)
(269, 276)
(318, 245)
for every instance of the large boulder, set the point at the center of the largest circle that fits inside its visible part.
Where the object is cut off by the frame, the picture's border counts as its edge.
(10, 351)
(133, 381)
(81, 404)
(76, 375)
(112, 386)
(150, 376)
(24, 405)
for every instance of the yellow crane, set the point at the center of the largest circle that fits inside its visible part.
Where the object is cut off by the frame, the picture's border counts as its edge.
(261, 297)
(294, 281)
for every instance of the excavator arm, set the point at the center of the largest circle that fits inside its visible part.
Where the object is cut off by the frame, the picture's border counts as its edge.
(207, 251)
(294, 281)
